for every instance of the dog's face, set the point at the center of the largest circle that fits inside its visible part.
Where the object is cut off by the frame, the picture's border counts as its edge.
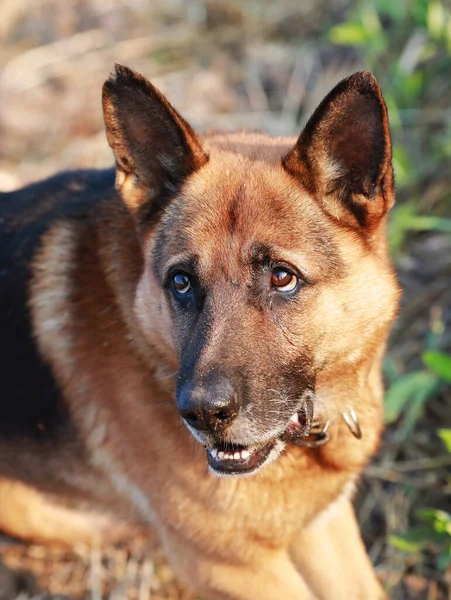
(265, 264)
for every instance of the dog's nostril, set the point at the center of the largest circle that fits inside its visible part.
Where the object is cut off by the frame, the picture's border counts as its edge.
(221, 415)
(214, 419)
(220, 418)
(192, 418)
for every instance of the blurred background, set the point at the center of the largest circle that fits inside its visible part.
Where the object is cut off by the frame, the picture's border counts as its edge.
(264, 65)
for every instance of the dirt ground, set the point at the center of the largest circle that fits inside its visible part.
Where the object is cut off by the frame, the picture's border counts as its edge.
(225, 65)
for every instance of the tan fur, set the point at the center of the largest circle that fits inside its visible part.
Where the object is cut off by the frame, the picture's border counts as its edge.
(30, 515)
(330, 550)
(103, 323)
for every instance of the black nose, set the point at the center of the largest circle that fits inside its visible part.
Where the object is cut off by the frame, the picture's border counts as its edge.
(208, 406)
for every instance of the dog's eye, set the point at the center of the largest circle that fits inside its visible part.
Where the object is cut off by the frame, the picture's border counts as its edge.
(283, 281)
(182, 284)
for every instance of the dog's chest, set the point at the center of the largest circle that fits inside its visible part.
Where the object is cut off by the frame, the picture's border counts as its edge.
(270, 509)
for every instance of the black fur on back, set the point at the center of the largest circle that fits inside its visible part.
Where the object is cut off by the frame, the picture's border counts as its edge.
(30, 404)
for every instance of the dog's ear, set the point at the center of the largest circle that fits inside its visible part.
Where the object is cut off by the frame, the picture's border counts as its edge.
(154, 147)
(343, 156)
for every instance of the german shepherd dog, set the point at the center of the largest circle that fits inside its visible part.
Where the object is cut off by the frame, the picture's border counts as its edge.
(193, 341)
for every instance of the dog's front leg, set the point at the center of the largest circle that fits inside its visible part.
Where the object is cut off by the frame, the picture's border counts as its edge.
(270, 575)
(332, 558)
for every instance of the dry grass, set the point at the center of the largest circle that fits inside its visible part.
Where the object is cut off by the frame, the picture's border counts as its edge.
(137, 571)
(225, 65)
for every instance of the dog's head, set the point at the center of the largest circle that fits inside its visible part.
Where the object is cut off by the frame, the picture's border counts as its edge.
(266, 273)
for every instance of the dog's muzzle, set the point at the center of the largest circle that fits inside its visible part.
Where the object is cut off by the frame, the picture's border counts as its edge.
(226, 458)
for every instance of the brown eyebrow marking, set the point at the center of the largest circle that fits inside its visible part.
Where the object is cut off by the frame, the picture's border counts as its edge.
(188, 262)
(233, 208)
(261, 254)
(233, 216)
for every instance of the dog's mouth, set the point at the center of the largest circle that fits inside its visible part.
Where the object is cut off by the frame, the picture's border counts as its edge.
(235, 459)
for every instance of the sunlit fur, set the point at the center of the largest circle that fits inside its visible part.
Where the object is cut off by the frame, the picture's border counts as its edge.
(109, 348)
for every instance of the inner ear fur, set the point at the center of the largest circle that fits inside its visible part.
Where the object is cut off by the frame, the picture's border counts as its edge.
(154, 147)
(343, 155)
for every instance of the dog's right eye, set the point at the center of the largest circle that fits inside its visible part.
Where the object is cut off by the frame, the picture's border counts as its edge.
(182, 284)
(283, 280)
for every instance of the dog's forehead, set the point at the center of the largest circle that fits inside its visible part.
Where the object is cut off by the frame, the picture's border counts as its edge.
(234, 196)
(234, 205)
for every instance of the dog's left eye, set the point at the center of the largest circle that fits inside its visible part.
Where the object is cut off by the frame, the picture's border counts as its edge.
(182, 284)
(283, 281)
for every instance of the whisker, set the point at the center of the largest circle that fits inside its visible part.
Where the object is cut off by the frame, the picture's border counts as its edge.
(167, 376)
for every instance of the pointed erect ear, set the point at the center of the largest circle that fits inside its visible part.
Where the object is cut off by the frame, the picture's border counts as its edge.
(154, 147)
(343, 156)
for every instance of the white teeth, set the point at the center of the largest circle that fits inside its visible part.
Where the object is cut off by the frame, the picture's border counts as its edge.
(295, 418)
(220, 455)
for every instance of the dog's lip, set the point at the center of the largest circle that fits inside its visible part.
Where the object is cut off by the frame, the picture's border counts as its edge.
(237, 459)
(297, 429)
